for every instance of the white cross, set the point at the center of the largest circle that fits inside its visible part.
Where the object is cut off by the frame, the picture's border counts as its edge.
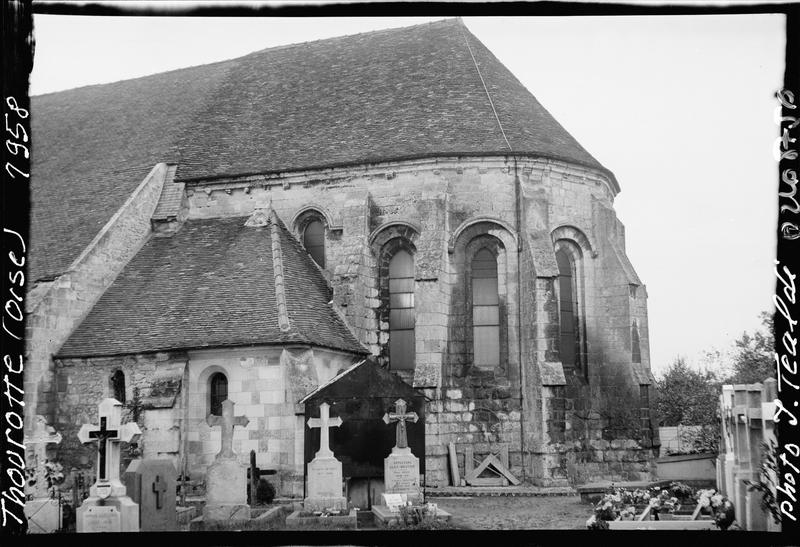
(108, 434)
(324, 422)
(40, 437)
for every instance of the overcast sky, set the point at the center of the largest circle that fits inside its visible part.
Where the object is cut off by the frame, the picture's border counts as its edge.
(680, 108)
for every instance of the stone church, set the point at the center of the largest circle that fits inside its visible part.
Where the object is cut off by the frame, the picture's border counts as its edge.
(252, 228)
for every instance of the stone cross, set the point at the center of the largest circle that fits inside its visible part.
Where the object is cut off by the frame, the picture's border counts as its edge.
(159, 487)
(400, 417)
(37, 440)
(40, 437)
(324, 422)
(227, 422)
(108, 436)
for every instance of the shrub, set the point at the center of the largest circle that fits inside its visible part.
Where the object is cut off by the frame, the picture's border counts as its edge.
(265, 492)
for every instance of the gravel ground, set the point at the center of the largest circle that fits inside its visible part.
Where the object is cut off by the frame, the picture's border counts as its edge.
(517, 513)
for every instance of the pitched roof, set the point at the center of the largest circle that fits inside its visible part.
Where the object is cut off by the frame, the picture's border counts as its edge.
(215, 283)
(386, 95)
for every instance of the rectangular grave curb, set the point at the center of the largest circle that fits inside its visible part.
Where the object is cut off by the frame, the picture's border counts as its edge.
(384, 517)
(348, 522)
(268, 520)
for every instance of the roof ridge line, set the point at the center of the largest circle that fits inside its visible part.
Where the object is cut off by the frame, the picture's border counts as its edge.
(277, 270)
(483, 82)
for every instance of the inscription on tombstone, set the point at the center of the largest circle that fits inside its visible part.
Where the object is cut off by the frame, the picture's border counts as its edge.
(102, 518)
(401, 467)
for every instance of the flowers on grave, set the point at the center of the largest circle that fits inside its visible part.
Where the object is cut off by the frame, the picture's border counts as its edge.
(54, 473)
(44, 477)
(624, 504)
(720, 507)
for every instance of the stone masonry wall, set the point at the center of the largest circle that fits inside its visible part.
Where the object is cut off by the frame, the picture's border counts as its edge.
(81, 384)
(265, 384)
(547, 415)
(57, 307)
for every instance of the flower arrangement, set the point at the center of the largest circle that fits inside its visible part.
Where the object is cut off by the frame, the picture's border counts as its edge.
(623, 504)
(720, 507)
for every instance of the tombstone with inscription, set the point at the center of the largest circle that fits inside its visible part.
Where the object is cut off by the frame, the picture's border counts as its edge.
(108, 508)
(43, 512)
(226, 478)
(152, 484)
(401, 467)
(325, 471)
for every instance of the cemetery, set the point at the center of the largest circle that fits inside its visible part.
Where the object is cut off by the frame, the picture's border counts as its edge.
(363, 473)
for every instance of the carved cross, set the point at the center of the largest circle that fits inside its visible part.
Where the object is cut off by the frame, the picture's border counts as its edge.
(158, 489)
(108, 436)
(324, 422)
(401, 440)
(227, 422)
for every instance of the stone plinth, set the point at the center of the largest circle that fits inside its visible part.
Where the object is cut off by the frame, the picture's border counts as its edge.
(401, 474)
(43, 516)
(115, 514)
(226, 491)
(325, 485)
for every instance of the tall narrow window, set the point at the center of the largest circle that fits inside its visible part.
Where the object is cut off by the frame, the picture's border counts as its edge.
(314, 241)
(636, 352)
(485, 310)
(402, 346)
(644, 406)
(570, 345)
(118, 386)
(218, 392)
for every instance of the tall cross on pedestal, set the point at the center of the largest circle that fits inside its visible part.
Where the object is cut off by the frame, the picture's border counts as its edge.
(401, 440)
(159, 488)
(108, 436)
(324, 422)
(227, 422)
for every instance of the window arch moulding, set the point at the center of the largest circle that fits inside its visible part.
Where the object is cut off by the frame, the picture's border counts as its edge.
(498, 224)
(577, 236)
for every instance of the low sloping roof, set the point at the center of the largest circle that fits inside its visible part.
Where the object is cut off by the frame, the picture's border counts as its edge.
(212, 284)
(379, 96)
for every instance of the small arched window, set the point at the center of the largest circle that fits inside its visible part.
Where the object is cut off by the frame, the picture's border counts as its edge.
(218, 392)
(636, 352)
(314, 241)
(485, 310)
(402, 344)
(569, 317)
(118, 386)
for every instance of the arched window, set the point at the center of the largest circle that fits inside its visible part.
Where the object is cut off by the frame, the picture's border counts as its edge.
(485, 310)
(218, 392)
(314, 241)
(402, 345)
(636, 352)
(118, 386)
(569, 311)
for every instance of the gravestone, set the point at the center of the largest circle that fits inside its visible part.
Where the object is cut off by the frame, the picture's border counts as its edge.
(42, 512)
(108, 508)
(401, 467)
(325, 471)
(152, 484)
(226, 478)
